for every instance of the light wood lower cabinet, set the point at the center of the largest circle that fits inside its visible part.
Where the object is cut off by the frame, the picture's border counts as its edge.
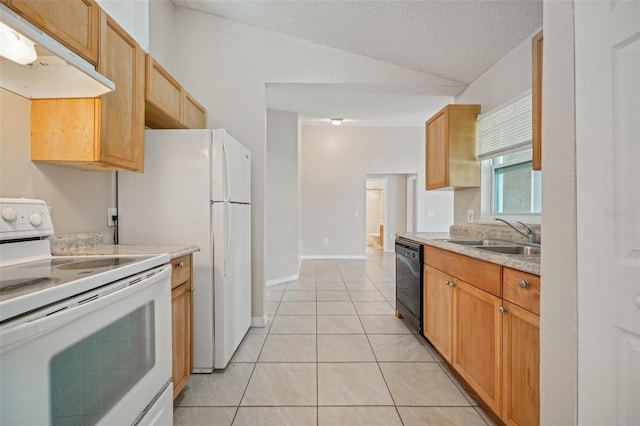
(477, 335)
(521, 361)
(487, 329)
(181, 322)
(438, 310)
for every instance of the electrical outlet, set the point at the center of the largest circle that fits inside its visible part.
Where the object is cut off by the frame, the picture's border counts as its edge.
(326, 240)
(470, 216)
(111, 211)
(430, 213)
(355, 213)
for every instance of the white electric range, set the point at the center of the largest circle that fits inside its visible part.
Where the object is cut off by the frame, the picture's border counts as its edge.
(83, 339)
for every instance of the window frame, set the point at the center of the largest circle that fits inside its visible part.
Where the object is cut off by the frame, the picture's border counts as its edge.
(487, 196)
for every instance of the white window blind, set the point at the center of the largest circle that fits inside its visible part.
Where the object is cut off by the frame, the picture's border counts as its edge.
(505, 129)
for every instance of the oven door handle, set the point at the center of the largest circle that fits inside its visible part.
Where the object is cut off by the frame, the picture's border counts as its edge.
(75, 308)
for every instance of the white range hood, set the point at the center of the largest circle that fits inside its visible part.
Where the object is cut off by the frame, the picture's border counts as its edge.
(56, 73)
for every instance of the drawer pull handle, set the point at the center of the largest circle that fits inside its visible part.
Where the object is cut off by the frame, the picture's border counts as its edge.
(180, 265)
(502, 309)
(523, 283)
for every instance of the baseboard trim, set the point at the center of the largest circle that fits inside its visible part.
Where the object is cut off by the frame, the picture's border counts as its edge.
(281, 280)
(260, 322)
(332, 256)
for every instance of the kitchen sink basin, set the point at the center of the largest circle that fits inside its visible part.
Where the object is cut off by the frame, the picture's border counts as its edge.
(512, 249)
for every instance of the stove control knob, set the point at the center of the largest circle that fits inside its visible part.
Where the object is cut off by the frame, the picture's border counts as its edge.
(35, 219)
(9, 214)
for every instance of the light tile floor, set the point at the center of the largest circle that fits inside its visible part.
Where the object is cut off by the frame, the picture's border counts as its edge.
(333, 353)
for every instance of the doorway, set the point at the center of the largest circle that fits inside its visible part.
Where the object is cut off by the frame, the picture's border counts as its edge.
(376, 213)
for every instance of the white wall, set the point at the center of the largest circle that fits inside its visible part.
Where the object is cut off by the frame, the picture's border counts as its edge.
(558, 298)
(226, 66)
(79, 199)
(335, 162)
(282, 236)
(505, 80)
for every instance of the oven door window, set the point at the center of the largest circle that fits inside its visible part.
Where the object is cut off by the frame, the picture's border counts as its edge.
(88, 378)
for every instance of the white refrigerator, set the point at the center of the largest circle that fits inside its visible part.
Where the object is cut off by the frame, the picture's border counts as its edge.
(196, 189)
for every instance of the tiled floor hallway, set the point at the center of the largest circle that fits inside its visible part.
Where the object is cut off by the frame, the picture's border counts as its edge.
(333, 354)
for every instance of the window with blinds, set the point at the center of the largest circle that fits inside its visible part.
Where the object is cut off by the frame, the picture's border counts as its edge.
(505, 129)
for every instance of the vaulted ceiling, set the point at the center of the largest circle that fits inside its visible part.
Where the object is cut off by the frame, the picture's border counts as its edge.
(454, 39)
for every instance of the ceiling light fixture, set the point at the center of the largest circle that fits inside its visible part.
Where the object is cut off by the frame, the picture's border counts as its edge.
(336, 121)
(16, 47)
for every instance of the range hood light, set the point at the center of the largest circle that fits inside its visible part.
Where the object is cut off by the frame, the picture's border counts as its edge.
(16, 47)
(336, 121)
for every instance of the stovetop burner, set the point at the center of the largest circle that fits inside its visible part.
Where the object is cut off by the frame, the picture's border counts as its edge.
(25, 278)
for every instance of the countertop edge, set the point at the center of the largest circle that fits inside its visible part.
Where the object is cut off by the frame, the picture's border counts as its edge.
(174, 251)
(527, 264)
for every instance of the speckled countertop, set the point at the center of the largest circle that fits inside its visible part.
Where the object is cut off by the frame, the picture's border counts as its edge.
(91, 244)
(529, 264)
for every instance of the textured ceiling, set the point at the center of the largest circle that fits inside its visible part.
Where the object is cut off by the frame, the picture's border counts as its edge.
(454, 39)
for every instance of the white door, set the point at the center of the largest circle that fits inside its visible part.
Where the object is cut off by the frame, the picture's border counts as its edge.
(608, 210)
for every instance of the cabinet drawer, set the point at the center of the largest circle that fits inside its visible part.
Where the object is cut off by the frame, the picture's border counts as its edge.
(484, 275)
(525, 294)
(180, 270)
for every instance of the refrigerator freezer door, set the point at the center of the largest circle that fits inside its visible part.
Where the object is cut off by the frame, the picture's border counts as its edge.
(231, 169)
(169, 204)
(231, 225)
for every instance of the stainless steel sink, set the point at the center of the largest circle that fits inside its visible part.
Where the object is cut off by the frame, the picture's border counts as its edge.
(512, 249)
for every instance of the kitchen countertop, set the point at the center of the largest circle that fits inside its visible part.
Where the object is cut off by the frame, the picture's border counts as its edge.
(530, 264)
(174, 251)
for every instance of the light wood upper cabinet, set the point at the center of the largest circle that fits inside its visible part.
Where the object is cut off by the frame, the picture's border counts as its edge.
(122, 131)
(450, 148)
(536, 100)
(73, 23)
(167, 104)
(477, 336)
(181, 322)
(521, 366)
(105, 133)
(163, 97)
(438, 310)
(195, 116)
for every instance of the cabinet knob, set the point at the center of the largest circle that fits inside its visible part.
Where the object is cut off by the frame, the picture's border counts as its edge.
(523, 283)
(191, 289)
(180, 265)
(502, 309)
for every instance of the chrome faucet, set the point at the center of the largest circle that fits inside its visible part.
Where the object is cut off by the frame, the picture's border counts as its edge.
(531, 236)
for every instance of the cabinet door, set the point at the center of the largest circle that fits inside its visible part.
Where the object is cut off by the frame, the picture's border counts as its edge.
(521, 360)
(122, 120)
(181, 335)
(195, 116)
(163, 96)
(438, 310)
(436, 167)
(477, 335)
(73, 23)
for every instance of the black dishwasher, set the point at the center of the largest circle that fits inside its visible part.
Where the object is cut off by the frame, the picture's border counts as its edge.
(409, 282)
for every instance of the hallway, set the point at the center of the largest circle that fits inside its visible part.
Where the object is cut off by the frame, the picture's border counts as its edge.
(333, 353)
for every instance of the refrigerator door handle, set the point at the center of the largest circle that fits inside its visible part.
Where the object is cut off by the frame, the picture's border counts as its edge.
(227, 238)
(227, 175)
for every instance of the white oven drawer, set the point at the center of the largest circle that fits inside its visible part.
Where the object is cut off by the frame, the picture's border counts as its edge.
(99, 362)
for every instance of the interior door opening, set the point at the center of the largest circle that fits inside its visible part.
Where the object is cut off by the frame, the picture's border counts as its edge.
(375, 213)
